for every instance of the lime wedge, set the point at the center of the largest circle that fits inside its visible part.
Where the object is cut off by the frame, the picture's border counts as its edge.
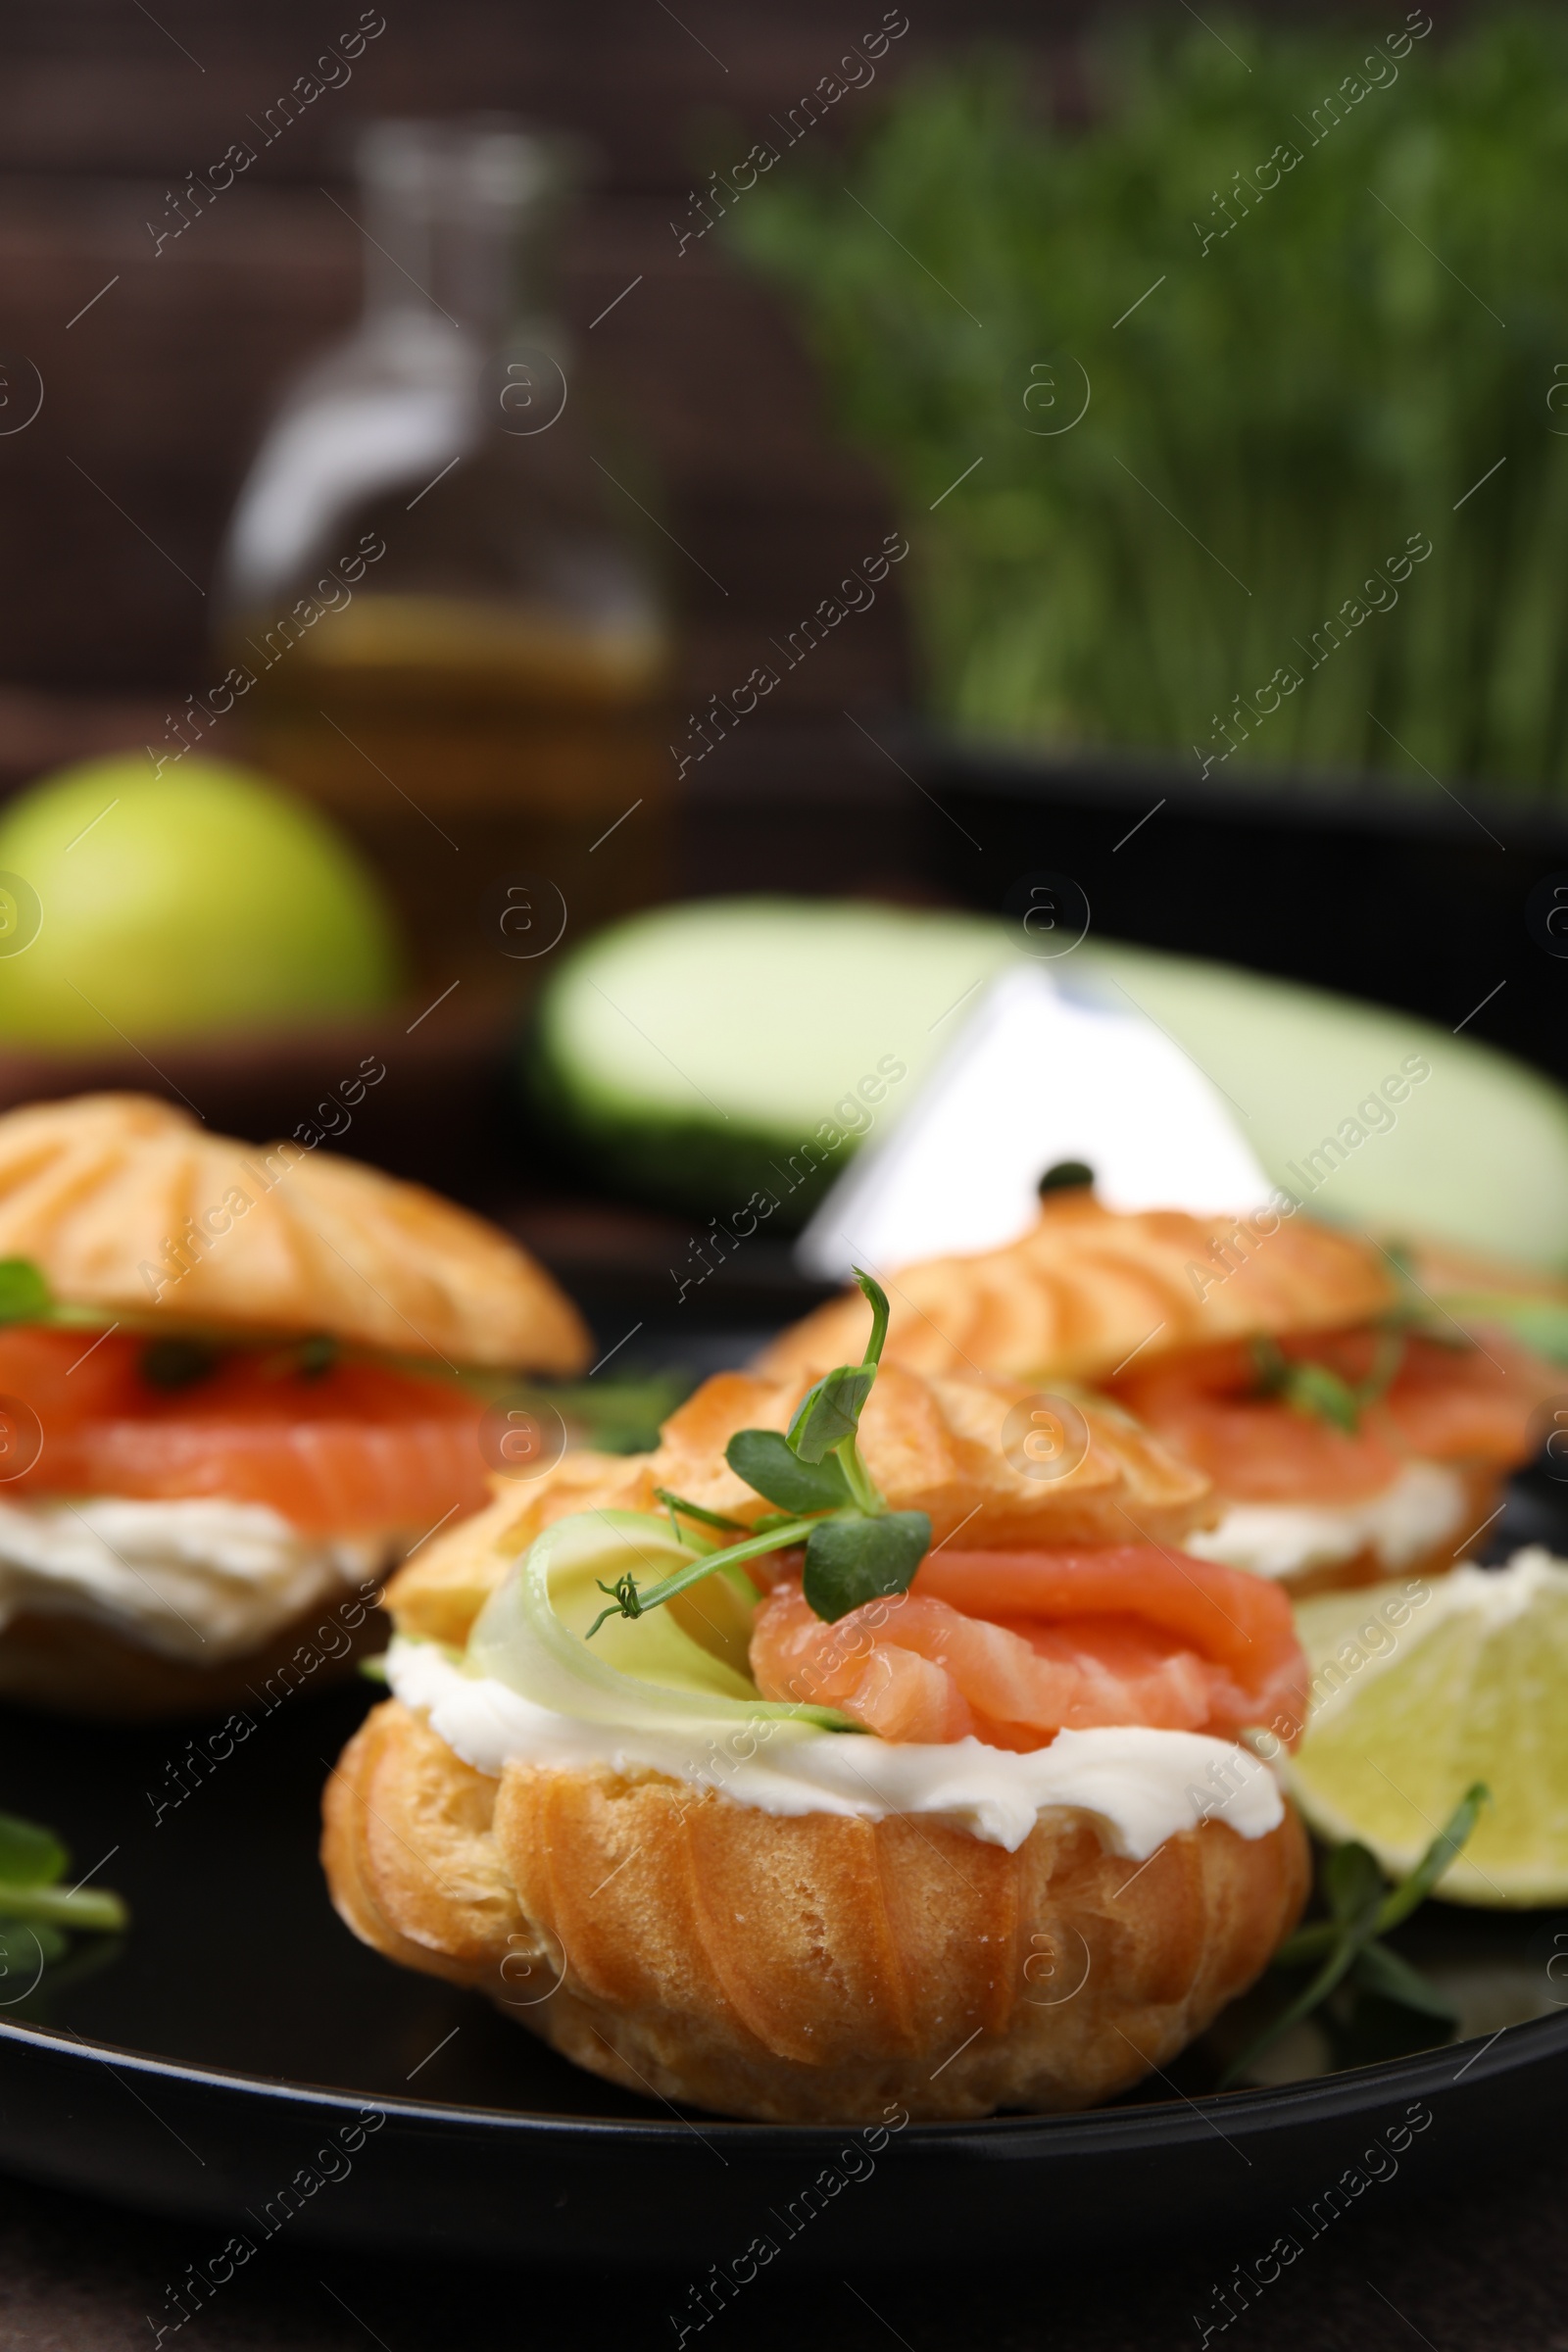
(1420, 1687)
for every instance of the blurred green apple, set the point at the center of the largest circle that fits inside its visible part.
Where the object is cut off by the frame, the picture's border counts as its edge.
(168, 906)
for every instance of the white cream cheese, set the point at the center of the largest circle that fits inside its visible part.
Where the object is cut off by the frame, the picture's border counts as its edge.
(1425, 1505)
(199, 1580)
(1140, 1785)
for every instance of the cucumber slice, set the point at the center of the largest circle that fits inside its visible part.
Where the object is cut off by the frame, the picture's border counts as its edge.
(738, 1050)
(700, 1055)
(644, 1673)
(1477, 1153)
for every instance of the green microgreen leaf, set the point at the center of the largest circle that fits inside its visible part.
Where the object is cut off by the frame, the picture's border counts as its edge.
(1334, 1967)
(828, 1416)
(1350, 1881)
(630, 1599)
(877, 1298)
(1321, 1392)
(1314, 1389)
(30, 1856)
(1383, 1973)
(677, 1505)
(851, 1559)
(65, 1906)
(614, 1416)
(32, 1861)
(24, 1295)
(627, 1599)
(1448, 1842)
(1022, 596)
(1362, 1910)
(855, 1548)
(772, 1466)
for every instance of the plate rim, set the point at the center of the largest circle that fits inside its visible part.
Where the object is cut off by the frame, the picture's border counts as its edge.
(1262, 2107)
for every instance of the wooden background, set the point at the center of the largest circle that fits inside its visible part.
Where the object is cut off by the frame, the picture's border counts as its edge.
(113, 501)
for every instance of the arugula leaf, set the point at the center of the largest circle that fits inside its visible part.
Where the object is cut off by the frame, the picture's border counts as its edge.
(771, 1467)
(1338, 1964)
(854, 1559)
(1361, 1911)
(24, 1295)
(1381, 1972)
(1450, 1839)
(1352, 1881)
(614, 1416)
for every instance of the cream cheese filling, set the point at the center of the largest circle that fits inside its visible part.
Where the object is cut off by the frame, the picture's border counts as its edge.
(1424, 1506)
(1139, 1786)
(200, 1580)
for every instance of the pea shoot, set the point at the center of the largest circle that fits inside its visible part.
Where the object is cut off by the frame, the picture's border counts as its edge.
(857, 1549)
(37, 1914)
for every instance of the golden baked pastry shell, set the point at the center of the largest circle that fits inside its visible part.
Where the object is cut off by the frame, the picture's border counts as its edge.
(127, 1204)
(805, 1969)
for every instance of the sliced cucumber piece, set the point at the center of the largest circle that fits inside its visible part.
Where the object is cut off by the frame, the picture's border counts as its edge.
(735, 1052)
(1477, 1151)
(702, 1054)
(638, 1672)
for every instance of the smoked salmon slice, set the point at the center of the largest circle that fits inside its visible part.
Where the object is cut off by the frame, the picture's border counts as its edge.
(1470, 1405)
(1016, 1646)
(356, 1448)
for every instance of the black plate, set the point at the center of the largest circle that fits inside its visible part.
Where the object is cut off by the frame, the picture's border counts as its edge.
(216, 2061)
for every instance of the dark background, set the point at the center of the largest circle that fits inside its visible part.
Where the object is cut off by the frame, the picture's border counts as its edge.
(1486, 2266)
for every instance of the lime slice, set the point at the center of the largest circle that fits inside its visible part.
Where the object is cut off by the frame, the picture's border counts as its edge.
(1420, 1689)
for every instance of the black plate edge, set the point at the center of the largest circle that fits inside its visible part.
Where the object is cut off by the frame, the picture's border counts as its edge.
(1165, 2121)
(459, 2183)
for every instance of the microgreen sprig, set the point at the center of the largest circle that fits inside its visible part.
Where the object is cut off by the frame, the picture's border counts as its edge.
(36, 1908)
(1316, 1389)
(1362, 1909)
(855, 1548)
